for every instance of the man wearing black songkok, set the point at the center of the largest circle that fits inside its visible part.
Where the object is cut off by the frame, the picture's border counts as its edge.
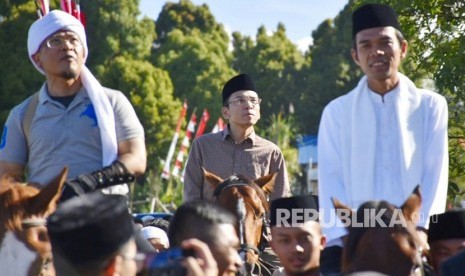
(237, 149)
(446, 236)
(93, 235)
(296, 235)
(384, 137)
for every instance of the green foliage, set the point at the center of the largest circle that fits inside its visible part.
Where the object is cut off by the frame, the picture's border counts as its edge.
(332, 71)
(114, 29)
(151, 92)
(186, 17)
(282, 132)
(19, 79)
(181, 55)
(193, 48)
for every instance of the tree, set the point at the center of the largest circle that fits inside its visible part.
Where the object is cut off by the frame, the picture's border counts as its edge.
(151, 92)
(18, 77)
(186, 17)
(282, 132)
(331, 73)
(193, 48)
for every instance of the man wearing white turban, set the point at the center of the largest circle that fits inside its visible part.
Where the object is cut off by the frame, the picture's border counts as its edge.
(76, 122)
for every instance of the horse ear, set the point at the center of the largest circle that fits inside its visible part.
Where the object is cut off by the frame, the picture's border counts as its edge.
(411, 207)
(343, 209)
(50, 194)
(266, 183)
(211, 178)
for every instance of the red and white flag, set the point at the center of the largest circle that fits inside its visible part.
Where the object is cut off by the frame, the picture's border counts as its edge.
(43, 7)
(203, 123)
(185, 145)
(219, 126)
(166, 169)
(73, 8)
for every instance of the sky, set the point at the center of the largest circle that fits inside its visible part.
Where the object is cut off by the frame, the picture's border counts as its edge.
(300, 17)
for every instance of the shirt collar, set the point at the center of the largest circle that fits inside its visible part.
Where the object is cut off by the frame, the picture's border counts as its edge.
(44, 97)
(227, 135)
(387, 98)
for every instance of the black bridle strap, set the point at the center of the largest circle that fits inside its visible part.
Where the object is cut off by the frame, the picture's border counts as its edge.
(244, 247)
(249, 247)
(221, 187)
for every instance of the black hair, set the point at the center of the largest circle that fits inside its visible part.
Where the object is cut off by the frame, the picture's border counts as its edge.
(198, 219)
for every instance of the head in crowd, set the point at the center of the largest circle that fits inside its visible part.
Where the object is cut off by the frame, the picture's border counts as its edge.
(161, 223)
(211, 224)
(156, 236)
(379, 45)
(446, 235)
(296, 235)
(92, 235)
(239, 94)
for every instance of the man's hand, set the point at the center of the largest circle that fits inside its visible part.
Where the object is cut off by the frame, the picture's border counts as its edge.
(203, 264)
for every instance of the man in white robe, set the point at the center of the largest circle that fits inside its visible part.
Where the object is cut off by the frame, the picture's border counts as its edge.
(382, 138)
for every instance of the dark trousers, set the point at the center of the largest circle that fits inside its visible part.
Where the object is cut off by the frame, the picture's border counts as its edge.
(330, 261)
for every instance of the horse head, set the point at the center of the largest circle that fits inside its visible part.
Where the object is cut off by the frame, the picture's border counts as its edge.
(248, 200)
(382, 237)
(23, 212)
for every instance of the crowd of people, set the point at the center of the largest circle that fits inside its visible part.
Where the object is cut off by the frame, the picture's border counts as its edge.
(377, 142)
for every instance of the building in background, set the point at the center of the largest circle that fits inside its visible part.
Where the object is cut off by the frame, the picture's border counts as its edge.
(308, 160)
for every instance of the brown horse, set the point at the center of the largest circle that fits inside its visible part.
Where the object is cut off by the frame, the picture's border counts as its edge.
(24, 245)
(384, 238)
(248, 200)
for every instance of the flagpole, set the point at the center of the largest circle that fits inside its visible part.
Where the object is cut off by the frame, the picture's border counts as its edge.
(203, 123)
(166, 168)
(185, 145)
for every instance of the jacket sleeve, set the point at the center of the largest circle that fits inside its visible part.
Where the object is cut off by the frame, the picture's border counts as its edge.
(330, 172)
(435, 176)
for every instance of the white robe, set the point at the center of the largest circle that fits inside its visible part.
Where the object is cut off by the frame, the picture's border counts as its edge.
(351, 145)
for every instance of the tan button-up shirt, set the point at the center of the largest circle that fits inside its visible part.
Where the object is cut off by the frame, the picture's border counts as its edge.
(218, 153)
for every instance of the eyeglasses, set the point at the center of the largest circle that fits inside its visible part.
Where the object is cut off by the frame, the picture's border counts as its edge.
(241, 101)
(56, 42)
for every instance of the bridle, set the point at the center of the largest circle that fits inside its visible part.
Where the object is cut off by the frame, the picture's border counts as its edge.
(244, 247)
